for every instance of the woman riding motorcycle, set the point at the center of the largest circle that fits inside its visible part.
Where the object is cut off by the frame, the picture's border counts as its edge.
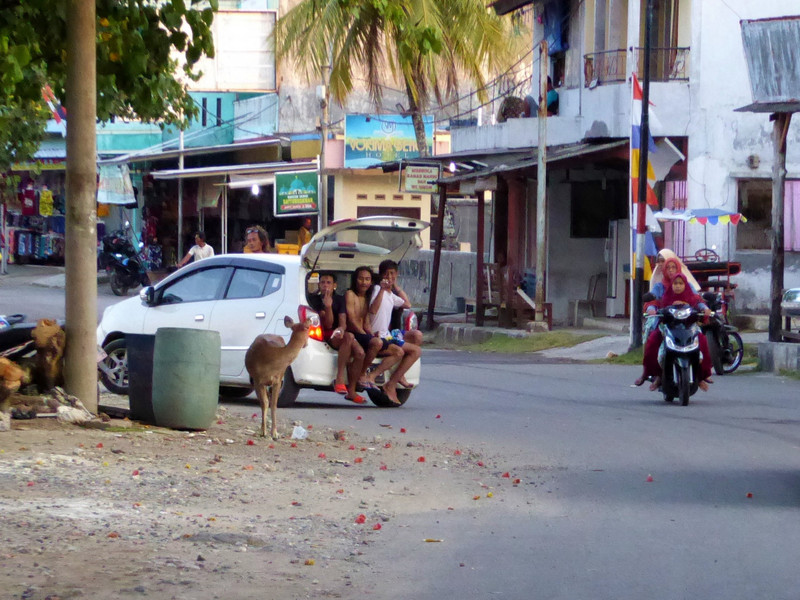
(678, 292)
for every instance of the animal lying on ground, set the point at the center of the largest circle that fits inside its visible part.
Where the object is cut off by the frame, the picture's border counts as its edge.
(266, 362)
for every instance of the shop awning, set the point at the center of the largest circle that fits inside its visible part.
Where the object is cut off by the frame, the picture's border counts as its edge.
(254, 171)
(554, 154)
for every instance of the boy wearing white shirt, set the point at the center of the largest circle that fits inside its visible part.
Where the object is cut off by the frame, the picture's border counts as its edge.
(387, 296)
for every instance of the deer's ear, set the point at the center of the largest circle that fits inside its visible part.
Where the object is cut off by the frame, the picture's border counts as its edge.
(287, 322)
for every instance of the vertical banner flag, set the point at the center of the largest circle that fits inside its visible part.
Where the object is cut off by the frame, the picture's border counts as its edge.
(636, 144)
(59, 112)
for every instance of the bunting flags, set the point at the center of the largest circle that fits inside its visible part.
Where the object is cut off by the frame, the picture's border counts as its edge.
(636, 141)
(724, 219)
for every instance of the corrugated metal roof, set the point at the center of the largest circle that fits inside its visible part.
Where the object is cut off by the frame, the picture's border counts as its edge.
(773, 61)
(554, 154)
(258, 168)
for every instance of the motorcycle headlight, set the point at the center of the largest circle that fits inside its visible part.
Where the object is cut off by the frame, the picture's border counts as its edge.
(682, 313)
(673, 346)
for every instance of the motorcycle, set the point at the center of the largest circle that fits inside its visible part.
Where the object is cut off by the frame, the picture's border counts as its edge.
(724, 342)
(681, 352)
(123, 262)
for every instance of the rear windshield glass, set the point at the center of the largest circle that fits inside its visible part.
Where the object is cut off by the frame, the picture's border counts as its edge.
(369, 241)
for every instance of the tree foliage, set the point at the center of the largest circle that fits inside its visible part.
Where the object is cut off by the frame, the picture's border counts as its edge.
(430, 46)
(138, 74)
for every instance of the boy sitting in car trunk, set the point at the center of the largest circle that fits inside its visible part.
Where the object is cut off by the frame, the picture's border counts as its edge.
(386, 297)
(333, 317)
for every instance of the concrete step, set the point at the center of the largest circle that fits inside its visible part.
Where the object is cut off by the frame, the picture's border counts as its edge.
(620, 325)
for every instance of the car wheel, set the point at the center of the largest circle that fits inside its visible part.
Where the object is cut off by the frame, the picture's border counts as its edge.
(114, 373)
(380, 399)
(289, 390)
(234, 393)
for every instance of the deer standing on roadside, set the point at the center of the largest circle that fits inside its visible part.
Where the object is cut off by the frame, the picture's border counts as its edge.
(267, 360)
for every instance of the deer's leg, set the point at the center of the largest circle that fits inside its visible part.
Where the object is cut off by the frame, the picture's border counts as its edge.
(261, 394)
(275, 391)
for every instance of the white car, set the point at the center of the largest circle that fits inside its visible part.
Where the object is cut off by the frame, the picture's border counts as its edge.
(244, 295)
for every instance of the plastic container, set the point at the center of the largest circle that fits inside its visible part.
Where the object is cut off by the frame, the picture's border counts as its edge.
(139, 348)
(186, 377)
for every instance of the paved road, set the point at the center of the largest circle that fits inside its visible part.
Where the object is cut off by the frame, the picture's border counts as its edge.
(38, 292)
(585, 522)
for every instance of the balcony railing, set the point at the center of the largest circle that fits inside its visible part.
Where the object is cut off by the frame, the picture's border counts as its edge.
(604, 67)
(666, 64)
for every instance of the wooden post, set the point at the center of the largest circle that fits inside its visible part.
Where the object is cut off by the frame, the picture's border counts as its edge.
(779, 130)
(541, 185)
(437, 257)
(80, 366)
(480, 281)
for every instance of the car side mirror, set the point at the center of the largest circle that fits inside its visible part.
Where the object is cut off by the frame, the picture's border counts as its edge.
(148, 295)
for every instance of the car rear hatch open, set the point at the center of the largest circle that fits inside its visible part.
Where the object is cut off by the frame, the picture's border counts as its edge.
(351, 243)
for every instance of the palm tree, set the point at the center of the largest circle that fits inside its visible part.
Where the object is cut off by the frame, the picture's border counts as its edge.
(429, 46)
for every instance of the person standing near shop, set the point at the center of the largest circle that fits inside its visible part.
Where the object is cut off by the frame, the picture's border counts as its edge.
(199, 251)
(304, 233)
(256, 240)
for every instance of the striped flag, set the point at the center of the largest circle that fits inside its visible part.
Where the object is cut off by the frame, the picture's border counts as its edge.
(636, 144)
(59, 112)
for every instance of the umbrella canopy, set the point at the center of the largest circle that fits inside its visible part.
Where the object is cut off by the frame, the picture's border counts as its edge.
(702, 216)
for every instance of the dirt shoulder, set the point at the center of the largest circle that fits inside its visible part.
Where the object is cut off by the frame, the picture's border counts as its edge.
(134, 511)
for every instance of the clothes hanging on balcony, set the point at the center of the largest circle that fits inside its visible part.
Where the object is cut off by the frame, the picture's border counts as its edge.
(555, 20)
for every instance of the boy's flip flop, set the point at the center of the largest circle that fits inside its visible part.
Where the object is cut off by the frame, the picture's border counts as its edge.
(340, 388)
(357, 400)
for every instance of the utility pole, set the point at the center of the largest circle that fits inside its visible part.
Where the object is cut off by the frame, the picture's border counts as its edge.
(641, 205)
(541, 184)
(780, 128)
(180, 196)
(324, 103)
(80, 366)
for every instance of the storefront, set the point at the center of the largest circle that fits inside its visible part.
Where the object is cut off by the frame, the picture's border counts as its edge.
(33, 215)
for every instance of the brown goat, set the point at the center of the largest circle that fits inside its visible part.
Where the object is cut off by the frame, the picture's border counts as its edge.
(267, 360)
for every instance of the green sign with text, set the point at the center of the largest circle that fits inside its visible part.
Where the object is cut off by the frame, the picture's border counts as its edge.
(296, 193)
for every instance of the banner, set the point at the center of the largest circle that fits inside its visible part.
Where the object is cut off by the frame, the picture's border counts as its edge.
(296, 193)
(372, 139)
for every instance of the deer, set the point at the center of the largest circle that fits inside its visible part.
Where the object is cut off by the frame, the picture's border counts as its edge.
(266, 361)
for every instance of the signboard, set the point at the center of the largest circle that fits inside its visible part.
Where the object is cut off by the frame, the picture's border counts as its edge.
(296, 193)
(372, 139)
(419, 179)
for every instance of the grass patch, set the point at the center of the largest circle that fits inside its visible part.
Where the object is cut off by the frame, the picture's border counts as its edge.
(634, 357)
(789, 373)
(532, 343)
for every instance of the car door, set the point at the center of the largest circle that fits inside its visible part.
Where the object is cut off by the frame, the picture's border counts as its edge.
(247, 309)
(188, 301)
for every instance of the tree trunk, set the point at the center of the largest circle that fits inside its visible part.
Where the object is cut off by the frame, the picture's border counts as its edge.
(80, 368)
(419, 124)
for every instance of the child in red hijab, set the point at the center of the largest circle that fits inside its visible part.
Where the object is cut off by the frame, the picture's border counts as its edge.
(678, 292)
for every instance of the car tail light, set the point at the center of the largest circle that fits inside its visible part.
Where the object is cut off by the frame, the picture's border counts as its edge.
(315, 331)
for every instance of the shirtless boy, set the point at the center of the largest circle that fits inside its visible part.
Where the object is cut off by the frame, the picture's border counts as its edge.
(356, 301)
(333, 317)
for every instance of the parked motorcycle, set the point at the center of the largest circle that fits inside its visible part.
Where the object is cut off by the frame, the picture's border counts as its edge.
(724, 342)
(123, 262)
(681, 360)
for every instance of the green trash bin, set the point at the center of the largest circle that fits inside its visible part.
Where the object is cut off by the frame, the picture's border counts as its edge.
(185, 377)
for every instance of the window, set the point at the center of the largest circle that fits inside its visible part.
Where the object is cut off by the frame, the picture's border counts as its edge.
(593, 207)
(249, 283)
(755, 203)
(197, 286)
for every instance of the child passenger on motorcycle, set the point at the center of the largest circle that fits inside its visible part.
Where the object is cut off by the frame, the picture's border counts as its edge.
(679, 292)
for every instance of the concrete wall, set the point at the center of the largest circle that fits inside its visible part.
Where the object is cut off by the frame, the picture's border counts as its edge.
(755, 280)
(779, 356)
(456, 278)
(571, 261)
